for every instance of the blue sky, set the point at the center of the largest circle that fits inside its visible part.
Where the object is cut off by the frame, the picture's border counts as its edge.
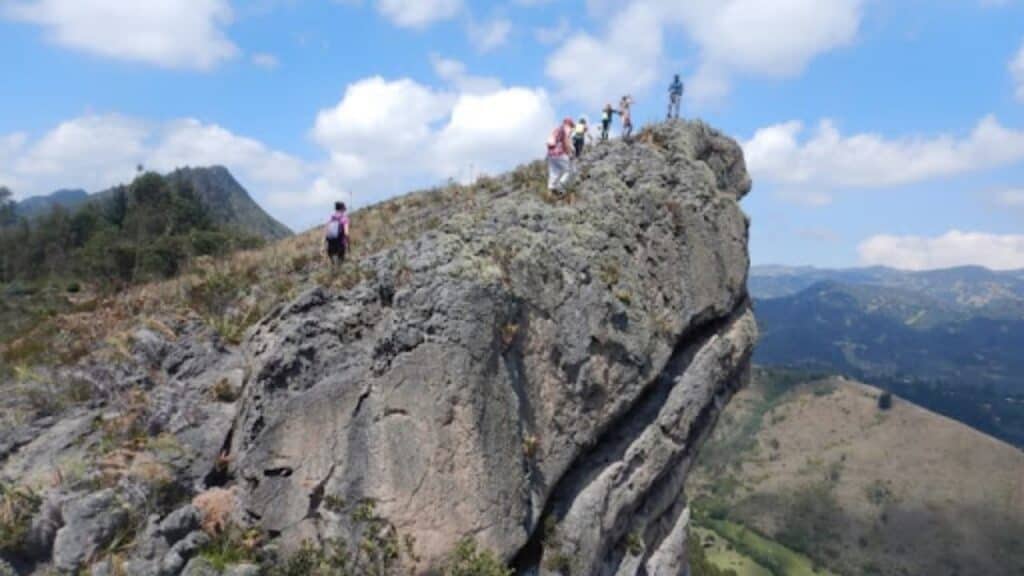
(877, 131)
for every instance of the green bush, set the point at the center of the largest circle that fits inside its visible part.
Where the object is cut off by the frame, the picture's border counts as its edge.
(699, 563)
(17, 507)
(468, 560)
(885, 401)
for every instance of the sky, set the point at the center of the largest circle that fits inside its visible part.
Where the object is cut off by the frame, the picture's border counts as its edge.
(878, 132)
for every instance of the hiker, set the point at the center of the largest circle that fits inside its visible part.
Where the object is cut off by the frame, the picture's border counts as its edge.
(337, 234)
(606, 121)
(675, 97)
(560, 156)
(627, 116)
(580, 134)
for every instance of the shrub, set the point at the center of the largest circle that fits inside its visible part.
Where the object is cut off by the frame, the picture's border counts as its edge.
(885, 401)
(216, 508)
(700, 565)
(635, 544)
(225, 391)
(17, 507)
(231, 546)
(376, 550)
(468, 560)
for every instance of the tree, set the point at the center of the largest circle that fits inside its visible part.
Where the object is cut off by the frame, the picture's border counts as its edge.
(885, 401)
(7, 215)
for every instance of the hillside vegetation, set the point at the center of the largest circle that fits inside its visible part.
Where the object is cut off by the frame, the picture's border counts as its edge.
(815, 465)
(489, 346)
(957, 359)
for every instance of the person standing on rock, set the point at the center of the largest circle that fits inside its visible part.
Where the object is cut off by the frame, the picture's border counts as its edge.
(336, 234)
(580, 134)
(675, 97)
(626, 112)
(607, 115)
(560, 153)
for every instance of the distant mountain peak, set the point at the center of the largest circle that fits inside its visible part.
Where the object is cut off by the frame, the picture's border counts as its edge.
(227, 201)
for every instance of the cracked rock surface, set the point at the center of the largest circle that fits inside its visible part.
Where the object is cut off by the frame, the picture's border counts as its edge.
(561, 361)
(536, 374)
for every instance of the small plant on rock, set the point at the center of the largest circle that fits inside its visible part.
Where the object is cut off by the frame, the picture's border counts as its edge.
(17, 507)
(468, 560)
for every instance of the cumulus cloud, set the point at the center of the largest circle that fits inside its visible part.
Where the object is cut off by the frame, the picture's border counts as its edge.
(773, 39)
(1017, 70)
(454, 73)
(386, 135)
(734, 37)
(487, 36)
(827, 160)
(418, 13)
(596, 70)
(98, 151)
(168, 33)
(955, 248)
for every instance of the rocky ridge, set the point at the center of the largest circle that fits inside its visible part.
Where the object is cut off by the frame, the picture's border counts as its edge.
(534, 374)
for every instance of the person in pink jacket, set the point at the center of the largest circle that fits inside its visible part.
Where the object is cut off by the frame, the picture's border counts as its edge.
(560, 153)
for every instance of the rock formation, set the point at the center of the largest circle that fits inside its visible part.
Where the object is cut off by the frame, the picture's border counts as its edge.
(536, 375)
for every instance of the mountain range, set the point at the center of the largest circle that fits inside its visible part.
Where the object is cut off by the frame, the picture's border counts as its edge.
(224, 199)
(950, 340)
(808, 475)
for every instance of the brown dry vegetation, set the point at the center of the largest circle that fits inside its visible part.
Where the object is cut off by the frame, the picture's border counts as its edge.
(232, 293)
(820, 468)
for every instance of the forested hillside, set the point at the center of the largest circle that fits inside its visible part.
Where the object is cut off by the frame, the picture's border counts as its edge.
(144, 231)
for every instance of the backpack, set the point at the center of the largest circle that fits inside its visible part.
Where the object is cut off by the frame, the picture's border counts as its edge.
(334, 229)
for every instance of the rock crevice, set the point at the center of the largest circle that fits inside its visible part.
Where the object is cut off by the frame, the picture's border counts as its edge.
(551, 366)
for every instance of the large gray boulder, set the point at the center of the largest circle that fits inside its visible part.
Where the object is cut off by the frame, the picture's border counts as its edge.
(90, 523)
(535, 375)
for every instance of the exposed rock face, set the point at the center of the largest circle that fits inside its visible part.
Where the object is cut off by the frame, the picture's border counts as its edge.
(538, 377)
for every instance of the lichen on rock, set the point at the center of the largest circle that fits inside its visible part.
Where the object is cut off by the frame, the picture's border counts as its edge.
(529, 374)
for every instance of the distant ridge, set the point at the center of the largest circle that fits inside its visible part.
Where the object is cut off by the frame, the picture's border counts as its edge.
(228, 202)
(39, 205)
(971, 286)
(224, 199)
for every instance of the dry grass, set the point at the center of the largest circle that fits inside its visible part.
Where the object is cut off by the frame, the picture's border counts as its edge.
(910, 488)
(217, 509)
(234, 292)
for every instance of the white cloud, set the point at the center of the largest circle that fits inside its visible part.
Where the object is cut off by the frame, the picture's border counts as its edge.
(379, 126)
(596, 71)
(386, 136)
(454, 72)
(774, 39)
(265, 60)
(735, 37)
(98, 151)
(189, 142)
(487, 133)
(418, 13)
(955, 248)
(827, 160)
(489, 35)
(168, 33)
(552, 34)
(89, 152)
(1017, 70)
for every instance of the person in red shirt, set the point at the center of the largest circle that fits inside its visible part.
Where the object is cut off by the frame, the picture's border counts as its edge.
(560, 153)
